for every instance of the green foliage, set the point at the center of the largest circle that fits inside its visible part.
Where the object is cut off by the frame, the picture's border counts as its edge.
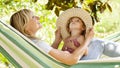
(109, 23)
(105, 28)
(47, 18)
(60, 5)
(92, 6)
(3, 60)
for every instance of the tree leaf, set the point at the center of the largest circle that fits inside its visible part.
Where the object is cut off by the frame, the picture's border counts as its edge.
(49, 6)
(93, 21)
(102, 8)
(7, 1)
(81, 1)
(109, 7)
(34, 1)
(96, 18)
(56, 11)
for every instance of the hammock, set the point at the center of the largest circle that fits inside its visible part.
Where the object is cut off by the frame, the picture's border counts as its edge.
(23, 53)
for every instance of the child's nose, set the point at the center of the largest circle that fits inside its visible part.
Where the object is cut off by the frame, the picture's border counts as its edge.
(72, 22)
(37, 17)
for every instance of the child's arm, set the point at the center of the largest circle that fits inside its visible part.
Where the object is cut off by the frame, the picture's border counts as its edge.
(86, 51)
(81, 40)
(90, 34)
(58, 39)
(65, 43)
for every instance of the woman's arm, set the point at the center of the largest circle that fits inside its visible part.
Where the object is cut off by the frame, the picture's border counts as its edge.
(65, 57)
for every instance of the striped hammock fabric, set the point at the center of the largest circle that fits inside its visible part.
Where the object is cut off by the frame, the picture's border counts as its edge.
(23, 53)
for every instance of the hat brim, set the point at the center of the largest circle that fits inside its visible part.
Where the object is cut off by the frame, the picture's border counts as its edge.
(62, 20)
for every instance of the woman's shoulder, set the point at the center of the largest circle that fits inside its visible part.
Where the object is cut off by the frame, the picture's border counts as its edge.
(38, 41)
(42, 44)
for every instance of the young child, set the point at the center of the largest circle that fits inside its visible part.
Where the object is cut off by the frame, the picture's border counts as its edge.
(76, 28)
(75, 25)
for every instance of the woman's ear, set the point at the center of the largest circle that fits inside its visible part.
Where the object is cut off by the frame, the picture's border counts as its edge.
(27, 31)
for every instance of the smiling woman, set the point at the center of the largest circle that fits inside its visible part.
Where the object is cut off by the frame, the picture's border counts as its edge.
(21, 23)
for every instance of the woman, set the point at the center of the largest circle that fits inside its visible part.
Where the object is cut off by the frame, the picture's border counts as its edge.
(28, 24)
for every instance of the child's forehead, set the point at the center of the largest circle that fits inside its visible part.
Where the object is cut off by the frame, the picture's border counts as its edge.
(74, 18)
(77, 18)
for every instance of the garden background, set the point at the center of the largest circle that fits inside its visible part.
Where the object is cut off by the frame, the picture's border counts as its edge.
(106, 14)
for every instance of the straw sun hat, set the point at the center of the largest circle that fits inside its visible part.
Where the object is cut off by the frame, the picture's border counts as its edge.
(62, 20)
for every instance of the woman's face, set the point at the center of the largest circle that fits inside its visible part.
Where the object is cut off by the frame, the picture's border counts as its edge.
(34, 25)
(76, 23)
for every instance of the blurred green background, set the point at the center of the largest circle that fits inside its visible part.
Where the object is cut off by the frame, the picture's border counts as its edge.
(109, 19)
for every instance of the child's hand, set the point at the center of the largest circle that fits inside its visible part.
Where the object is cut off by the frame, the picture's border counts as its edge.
(58, 39)
(58, 34)
(86, 51)
(90, 33)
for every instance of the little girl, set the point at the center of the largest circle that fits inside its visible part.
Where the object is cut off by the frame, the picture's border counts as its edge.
(76, 28)
(75, 25)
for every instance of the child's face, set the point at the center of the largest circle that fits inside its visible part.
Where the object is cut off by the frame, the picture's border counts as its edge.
(76, 23)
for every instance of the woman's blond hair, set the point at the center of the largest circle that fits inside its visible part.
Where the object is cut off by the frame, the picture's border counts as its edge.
(19, 20)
